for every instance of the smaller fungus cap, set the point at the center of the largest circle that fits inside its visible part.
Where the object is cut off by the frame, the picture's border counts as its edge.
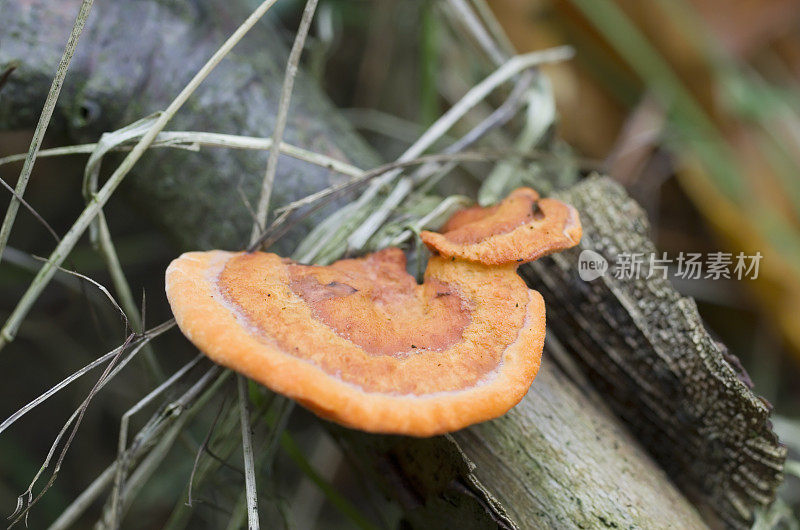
(519, 229)
(361, 343)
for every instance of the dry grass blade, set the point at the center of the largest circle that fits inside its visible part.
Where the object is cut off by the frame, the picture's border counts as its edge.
(194, 140)
(123, 429)
(44, 121)
(475, 95)
(283, 113)
(158, 433)
(203, 448)
(80, 149)
(247, 452)
(31, 209)
(109, 373)
(97, 284)
(98, 201)
(75, 419)
(467, 17)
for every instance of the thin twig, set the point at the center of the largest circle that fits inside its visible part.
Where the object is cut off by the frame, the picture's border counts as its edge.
(283, 113)
(99, 200)
(247, 451)
(44, 121)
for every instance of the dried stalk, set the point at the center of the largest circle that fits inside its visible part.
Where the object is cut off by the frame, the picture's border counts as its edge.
(44, 121)
(146, 337)
(154, 434)
(123, 428)
(193, 140)
(283, 113)
(99, 200)
(247, 451)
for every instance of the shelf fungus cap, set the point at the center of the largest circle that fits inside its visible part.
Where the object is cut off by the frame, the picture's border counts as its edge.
(361, 343)
(521, 228)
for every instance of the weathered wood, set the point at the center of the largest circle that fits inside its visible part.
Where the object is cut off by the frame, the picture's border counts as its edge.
(557, 460)
(560, 459)
(644, 347)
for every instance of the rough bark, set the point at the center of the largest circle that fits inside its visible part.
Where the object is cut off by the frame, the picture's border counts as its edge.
(560, 459)
(557, 460)
(645, 348)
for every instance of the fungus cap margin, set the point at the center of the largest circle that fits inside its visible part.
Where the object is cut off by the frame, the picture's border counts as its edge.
(521, 228)
(207, 318)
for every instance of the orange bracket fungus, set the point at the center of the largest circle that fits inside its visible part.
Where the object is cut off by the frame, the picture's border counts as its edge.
(359, 342)
(520, 229)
